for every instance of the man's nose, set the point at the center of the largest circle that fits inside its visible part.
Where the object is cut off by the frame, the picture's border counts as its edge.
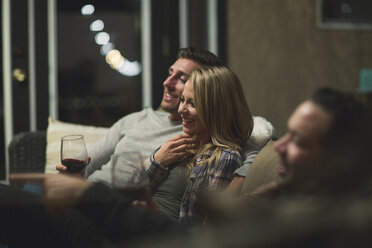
(280, 144)
(170, 81)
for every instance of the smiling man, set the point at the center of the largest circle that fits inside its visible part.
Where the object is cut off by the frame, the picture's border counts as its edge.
(179, 71)
(301, 149)
(325, 150)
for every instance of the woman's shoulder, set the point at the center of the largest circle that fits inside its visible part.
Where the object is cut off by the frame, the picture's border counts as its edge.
(224, 152)
(230, 152)
(229, 160)
(230, 156)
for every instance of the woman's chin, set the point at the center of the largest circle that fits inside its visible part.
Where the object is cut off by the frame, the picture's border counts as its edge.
(187, 131)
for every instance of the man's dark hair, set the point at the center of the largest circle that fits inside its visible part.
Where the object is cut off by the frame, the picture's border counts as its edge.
(349, 137)
(201, 56)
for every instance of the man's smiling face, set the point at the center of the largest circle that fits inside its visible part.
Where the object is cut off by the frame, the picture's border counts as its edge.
(301, 148)
(179, 73)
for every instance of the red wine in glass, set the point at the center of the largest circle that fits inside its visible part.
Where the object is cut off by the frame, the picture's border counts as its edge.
(129, 174)
(74, 165)
(74, 153)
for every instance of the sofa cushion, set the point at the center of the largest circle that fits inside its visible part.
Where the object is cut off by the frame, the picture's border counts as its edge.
(262, 132)
(56, 129)
(264, 169)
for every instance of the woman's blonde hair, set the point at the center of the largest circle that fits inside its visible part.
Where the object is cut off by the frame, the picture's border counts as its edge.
(222, 108)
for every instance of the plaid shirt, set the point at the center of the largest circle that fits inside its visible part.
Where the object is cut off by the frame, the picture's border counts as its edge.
(210, 178)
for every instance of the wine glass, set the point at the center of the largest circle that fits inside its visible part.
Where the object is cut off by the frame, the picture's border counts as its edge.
(129, 175)
(74, 153)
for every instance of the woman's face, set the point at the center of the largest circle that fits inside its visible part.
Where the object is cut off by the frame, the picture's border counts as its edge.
(190, 120)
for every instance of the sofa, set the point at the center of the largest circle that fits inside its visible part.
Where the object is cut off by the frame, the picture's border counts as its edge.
(40, 151)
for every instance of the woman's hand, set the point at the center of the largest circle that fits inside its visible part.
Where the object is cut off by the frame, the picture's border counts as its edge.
(174, 149)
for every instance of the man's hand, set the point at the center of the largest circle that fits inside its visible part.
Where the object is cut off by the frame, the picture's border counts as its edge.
(174, 149)
(60, 192)
(61, 168)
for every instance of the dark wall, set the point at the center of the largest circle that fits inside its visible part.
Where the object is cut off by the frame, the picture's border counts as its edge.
(281, 56)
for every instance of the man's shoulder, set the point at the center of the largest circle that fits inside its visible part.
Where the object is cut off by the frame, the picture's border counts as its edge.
(143, 112)
(147, 112)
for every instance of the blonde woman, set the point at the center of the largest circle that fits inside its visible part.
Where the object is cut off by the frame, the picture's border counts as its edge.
(217, 120)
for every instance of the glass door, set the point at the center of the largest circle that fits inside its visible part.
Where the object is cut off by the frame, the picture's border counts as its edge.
(99, 54)
(97, 57)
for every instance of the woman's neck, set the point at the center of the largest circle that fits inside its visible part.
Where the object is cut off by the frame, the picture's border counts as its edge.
(202, 139)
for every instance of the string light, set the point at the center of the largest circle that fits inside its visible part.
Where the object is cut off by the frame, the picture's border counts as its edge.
(87, 9)
(113, 56)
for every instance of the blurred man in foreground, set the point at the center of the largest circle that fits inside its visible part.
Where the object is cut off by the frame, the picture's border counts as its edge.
(325, 151)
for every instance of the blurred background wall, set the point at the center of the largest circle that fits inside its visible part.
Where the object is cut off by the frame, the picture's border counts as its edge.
(282, 56)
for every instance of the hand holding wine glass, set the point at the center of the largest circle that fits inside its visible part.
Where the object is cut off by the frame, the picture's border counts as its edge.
(74, 153)
(129, 177)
